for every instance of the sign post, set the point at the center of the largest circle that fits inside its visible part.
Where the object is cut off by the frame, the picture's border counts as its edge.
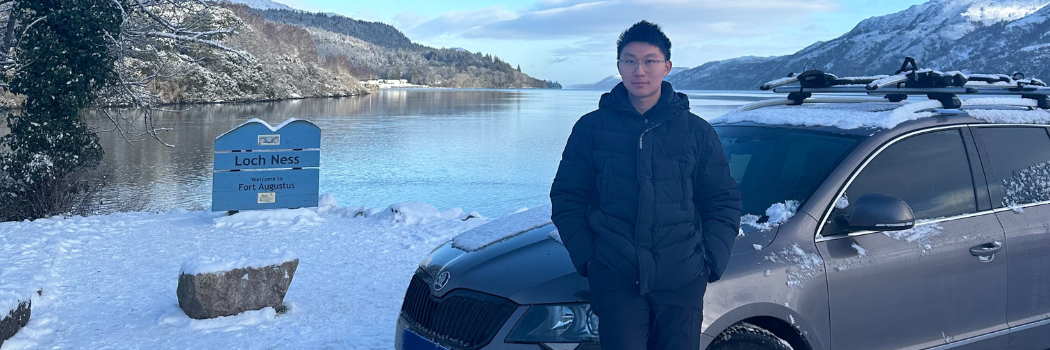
(258, 166)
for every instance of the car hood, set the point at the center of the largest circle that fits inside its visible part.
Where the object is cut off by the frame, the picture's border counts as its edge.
(521, 258)
(529, 267)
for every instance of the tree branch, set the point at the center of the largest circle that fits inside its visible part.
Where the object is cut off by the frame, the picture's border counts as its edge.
(194, 39)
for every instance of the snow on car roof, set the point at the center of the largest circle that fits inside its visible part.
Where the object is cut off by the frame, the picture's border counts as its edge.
(999, 116)
(841, 115)
(886, 115)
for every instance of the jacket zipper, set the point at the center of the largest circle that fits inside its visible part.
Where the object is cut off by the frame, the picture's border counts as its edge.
(646, 130)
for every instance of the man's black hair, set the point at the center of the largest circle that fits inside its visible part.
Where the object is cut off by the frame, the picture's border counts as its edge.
(645, 32)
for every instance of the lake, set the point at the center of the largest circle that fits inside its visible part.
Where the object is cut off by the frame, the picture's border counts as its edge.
(490, 151)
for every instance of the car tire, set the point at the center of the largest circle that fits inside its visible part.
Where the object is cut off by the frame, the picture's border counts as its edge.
(746, 336)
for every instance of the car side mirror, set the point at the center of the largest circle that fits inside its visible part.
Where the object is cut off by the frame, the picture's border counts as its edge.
(877, 212)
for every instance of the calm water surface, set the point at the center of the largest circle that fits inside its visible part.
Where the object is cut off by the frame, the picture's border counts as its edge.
(490, 151)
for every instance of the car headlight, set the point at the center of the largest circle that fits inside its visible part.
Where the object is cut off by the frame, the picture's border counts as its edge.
(566, 323)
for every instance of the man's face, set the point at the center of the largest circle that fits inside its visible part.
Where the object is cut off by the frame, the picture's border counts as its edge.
(639, 82)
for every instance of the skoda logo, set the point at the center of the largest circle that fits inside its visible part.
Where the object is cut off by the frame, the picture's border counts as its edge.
(441, 281)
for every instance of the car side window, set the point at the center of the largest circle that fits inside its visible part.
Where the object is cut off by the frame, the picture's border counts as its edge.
(930, 172)
(1019, 169)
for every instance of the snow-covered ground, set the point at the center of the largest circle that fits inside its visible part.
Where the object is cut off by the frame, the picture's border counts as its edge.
(108, 282)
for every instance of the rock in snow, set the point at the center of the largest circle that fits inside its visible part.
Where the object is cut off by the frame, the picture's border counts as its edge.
(227, 293)
(15, 320)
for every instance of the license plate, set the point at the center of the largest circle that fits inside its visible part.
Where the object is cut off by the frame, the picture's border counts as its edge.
(412, 341)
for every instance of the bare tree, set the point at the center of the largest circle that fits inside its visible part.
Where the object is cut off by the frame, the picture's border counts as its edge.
(155, 36)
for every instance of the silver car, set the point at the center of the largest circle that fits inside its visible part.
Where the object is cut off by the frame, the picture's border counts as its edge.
(875, 225)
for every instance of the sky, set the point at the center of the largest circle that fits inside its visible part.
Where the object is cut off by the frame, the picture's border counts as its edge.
(574, 41)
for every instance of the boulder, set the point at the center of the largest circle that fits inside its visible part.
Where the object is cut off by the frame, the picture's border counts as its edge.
(225, 293)
(15, 320)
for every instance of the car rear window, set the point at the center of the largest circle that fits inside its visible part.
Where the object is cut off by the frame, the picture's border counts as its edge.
(774, 165)
(1019, 169)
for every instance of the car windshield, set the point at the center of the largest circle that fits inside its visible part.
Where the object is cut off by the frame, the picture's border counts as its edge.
(774, 165)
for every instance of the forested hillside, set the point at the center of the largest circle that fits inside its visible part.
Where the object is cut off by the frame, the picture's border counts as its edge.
(377, 50)
(284, 63)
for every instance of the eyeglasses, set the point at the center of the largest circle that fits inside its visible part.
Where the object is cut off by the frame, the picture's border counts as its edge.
(631, 65)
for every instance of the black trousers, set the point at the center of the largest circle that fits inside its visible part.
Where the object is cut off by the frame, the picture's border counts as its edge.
(659, 320)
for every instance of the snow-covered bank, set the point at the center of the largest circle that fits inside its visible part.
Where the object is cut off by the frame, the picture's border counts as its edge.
(108, 282)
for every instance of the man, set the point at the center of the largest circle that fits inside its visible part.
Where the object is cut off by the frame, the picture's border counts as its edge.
(645, 204)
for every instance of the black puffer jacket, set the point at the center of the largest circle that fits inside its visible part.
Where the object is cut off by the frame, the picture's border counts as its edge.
(648, 195)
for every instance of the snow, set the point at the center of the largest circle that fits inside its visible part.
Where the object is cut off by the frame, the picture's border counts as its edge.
(842, 202)
(256, 219)
(1030, 20)
(508, 226)
(862, 255)
(1034, 47)
(866, 77)
(781, 81)
(806, 264)
(215, 264)
(885, 115)
(1016, 208)
(860, 250)
(845, 116)
(1028, 185)
(261, 4)
(9, 301)
(778, 214)
(757, 247)
(921, 233)
(892, 79)
(109, 281)
(989, 76)
(999, 101)
(989, 15)
(555, 236)
(1037, 116)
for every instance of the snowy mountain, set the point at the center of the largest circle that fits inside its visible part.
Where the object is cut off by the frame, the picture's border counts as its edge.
(1005, 47)
(935, 33)
(261, 4)
(609, 82)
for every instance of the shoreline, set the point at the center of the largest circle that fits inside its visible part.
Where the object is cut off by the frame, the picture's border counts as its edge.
(364, 92)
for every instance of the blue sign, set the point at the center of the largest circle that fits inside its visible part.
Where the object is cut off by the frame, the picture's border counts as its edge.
(258, 166)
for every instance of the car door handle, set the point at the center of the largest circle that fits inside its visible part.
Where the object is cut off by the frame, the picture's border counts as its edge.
(987, 249)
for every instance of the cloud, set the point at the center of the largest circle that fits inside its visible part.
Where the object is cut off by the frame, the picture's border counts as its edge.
(577, 19)
(452, 23)
(680, 18)
(583, 33)
(593, 49)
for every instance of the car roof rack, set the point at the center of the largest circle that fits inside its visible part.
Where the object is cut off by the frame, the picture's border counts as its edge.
(908, 80)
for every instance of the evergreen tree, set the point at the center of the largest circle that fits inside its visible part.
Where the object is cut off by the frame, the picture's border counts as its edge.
(66, 63)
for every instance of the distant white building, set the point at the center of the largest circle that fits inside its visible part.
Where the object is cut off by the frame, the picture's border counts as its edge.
(391, 83)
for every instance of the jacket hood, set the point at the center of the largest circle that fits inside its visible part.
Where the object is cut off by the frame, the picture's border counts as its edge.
(618, 99)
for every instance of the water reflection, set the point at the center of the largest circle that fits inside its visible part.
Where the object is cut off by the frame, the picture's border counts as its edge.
(490, 151)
